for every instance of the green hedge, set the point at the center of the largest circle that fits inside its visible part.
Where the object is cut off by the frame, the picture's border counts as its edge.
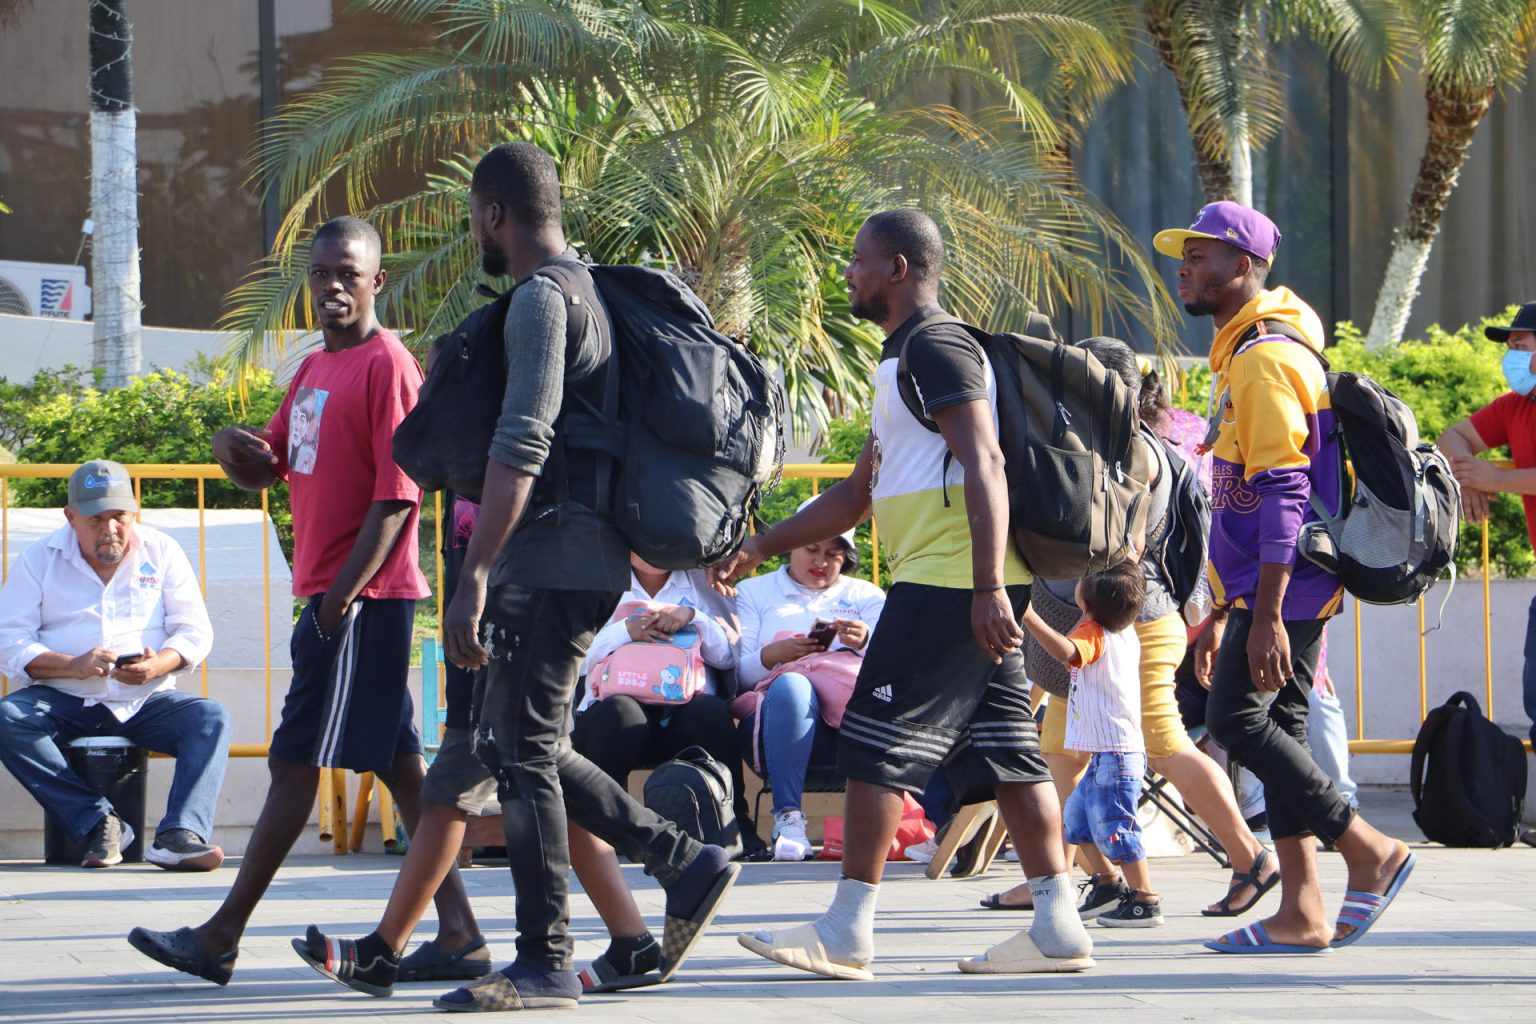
(1444, 376)
(164, 417)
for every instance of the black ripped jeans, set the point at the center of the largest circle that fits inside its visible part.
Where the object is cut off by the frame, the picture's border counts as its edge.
(536, 640)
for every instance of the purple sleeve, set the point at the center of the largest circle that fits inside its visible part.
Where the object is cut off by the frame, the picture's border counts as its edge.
(1282, 501)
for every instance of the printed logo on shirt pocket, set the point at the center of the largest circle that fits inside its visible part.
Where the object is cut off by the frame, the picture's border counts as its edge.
(148, 576)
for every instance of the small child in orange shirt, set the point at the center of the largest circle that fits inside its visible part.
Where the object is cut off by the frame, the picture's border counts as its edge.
(1104, 719)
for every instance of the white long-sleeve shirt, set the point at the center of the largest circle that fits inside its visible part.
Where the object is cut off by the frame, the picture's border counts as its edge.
(717, 640)
(54, 601)
(774, 604)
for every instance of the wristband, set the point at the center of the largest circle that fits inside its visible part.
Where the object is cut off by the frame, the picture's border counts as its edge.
(988, 590)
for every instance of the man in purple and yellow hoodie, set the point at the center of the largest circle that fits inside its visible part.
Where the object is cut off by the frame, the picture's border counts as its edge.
(1272, 448)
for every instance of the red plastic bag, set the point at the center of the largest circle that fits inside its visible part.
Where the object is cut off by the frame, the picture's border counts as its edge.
(915, 828)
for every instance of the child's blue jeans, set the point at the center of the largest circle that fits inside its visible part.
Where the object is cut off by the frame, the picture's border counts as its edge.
(1102, 809)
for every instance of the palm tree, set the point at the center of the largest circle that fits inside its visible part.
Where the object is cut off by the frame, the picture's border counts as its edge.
(114, 196)
(1467, 51)
(1228, 84)
(740, 142)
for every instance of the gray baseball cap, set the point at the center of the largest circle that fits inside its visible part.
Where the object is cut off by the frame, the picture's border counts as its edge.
(101, 485)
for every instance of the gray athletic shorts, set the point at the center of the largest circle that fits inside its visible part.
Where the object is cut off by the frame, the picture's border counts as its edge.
(456, 778)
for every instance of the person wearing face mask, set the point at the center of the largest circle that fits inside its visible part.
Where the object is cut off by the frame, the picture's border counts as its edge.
(1509, 420)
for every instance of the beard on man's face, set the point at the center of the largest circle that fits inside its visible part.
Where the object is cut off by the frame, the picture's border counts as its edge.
(110, 552)
(875, 309)
(1200, 307)
(492, 260)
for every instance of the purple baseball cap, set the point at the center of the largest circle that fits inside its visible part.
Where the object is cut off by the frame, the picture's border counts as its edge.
(1239, 226)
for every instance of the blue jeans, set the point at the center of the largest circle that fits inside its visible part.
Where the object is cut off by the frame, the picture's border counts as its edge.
(792, 737)
(1328, 736)
(36, 722)
(1102, 809)
(1529, 678)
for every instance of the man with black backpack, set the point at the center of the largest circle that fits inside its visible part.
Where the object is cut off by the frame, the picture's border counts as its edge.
(544, 570)
(1273, 445)
(943, 680)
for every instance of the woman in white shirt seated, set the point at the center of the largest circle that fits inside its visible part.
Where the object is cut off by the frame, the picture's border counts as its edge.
(788, 731)
(619, 733)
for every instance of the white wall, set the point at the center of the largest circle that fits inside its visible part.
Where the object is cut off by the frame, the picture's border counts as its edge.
(1453, 658)
(32, 343)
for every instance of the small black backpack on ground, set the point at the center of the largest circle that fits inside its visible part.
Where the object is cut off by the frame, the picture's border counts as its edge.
(1396, 532)
(1468, 777)
(692, 422)
(1077, 479)
(694, 792)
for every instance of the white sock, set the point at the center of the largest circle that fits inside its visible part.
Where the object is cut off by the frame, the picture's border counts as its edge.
(1057, 930)
(847, 929)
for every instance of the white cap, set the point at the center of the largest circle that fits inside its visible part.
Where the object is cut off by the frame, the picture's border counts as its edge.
(846, 538)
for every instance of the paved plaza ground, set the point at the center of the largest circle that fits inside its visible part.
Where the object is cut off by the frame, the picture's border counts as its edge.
(1459, 945)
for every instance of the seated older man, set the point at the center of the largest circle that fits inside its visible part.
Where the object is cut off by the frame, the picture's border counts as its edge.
(97, 619)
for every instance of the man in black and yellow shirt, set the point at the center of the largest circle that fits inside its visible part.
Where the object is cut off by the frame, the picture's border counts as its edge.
(943, 681)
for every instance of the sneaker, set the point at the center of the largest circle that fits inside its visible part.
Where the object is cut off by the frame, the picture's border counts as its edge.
(1099, 897)
(923, 852)
(104, 846)
(181, 849)
(1134, 912)
(789, 839)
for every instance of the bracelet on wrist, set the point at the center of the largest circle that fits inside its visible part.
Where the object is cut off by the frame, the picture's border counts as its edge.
(988, 589)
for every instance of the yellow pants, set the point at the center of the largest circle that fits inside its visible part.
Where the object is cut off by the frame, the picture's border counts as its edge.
(1162, 648)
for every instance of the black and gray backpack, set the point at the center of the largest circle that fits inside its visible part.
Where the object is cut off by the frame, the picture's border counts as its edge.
(1396, 529)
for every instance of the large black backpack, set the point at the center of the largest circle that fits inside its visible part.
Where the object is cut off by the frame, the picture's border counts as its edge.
(1467, 777)
(1181, 559)
(1077, 479)
(692, 423)
(694, 792)
(1396, 530)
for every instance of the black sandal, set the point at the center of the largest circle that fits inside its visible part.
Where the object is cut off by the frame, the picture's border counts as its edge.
(184, 951)
(995, 902)
(1251, 877)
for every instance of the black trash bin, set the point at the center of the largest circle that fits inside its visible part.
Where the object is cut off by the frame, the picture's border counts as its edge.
(115, 768)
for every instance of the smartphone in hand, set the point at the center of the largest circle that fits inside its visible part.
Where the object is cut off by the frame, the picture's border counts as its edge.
(823, 632)
(127, 659)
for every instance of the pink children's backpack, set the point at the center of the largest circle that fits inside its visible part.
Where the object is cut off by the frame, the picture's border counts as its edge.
(651, 673)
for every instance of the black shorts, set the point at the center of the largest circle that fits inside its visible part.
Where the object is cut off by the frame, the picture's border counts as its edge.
(348, 705)
(927, 696)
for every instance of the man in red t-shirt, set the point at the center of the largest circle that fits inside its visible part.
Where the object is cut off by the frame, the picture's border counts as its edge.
(354, 560)
(1509, 420)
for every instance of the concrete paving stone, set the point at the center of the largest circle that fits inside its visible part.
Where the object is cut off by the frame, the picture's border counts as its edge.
(1457, 946)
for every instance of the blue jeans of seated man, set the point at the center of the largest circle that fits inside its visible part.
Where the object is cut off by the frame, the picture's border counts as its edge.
(1529, 678)
(1102, 809)
(792, 738)
(38, 721)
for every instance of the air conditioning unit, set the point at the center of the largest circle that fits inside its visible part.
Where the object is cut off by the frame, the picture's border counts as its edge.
(44, 289)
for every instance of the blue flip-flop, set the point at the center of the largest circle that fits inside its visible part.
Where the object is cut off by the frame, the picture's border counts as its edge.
(1253, 940)
(1361, 909)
